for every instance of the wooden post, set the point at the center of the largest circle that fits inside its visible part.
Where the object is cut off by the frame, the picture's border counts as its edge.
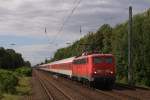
(130, 66)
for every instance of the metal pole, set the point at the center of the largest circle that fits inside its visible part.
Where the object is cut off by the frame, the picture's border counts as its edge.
(130, 67)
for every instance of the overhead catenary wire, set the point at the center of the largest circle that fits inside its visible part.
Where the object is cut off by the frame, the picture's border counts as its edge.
(69, 16)
(76, 2)
(65, 21)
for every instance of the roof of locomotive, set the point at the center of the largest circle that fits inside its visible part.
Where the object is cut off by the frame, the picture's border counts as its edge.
(93, 55)
(101, 55)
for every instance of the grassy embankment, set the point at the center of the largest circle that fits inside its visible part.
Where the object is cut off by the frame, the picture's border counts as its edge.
(15, 85)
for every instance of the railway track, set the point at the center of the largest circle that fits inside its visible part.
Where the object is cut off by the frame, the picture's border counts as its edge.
(127, 92)
(135, 92)
(77, 92)
(117, 95)
(92, 95)
(69, 90)
(48, 93)
(72, 95)
(132, 87)
(52, 91)
(114, 94)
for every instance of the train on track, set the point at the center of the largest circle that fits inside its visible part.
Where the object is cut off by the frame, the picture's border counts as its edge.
(95, 69)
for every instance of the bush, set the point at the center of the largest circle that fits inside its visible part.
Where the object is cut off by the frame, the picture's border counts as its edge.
(147, 82)
(8, 81)
(24, 71)
(0, 95)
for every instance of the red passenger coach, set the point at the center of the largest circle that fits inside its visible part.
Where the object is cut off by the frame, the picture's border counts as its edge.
(63, 67)
(92, 68)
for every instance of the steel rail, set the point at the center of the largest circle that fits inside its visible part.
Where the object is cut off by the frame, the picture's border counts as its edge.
(48, 93)
(61, 91)
(65, 94)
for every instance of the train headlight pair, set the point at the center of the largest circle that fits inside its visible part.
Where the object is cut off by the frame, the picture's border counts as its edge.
(98, 71)
(103, 71)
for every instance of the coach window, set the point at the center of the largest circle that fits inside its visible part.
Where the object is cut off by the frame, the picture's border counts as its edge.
(76, 61)
(79, 61)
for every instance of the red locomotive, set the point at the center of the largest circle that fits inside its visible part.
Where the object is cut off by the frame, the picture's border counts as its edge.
(92, 68)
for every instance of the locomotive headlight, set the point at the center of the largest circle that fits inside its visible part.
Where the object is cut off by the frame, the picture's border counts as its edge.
(109, 71)
(95, 72)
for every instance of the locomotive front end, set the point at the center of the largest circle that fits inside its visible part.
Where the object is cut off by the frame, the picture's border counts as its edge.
(103, 69)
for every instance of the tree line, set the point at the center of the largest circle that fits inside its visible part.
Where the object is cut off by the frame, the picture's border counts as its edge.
(9, 59)
(12, 70)
(114, 40)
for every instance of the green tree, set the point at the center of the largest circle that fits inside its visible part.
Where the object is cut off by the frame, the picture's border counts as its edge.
(9, 59)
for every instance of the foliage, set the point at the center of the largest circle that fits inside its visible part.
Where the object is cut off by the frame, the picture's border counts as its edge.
(9, 59)
(24, 71)
(114, 40)
(11, 97)
(8, 81)
(24, 87)
(15, 83)
(1, 95)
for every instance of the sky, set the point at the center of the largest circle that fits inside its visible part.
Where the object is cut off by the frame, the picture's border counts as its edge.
(23, 22)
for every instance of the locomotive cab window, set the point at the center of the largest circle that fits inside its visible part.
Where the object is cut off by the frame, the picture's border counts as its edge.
(109, 60)
(97, 60)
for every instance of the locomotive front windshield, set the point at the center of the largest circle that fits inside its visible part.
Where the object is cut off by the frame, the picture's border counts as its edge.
(98, 60)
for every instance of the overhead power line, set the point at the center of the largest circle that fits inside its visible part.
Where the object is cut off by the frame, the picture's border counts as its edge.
(69, 16)
(76, 2)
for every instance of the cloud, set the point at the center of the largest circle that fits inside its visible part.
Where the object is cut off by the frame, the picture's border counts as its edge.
(28, 18)
(36, 53)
